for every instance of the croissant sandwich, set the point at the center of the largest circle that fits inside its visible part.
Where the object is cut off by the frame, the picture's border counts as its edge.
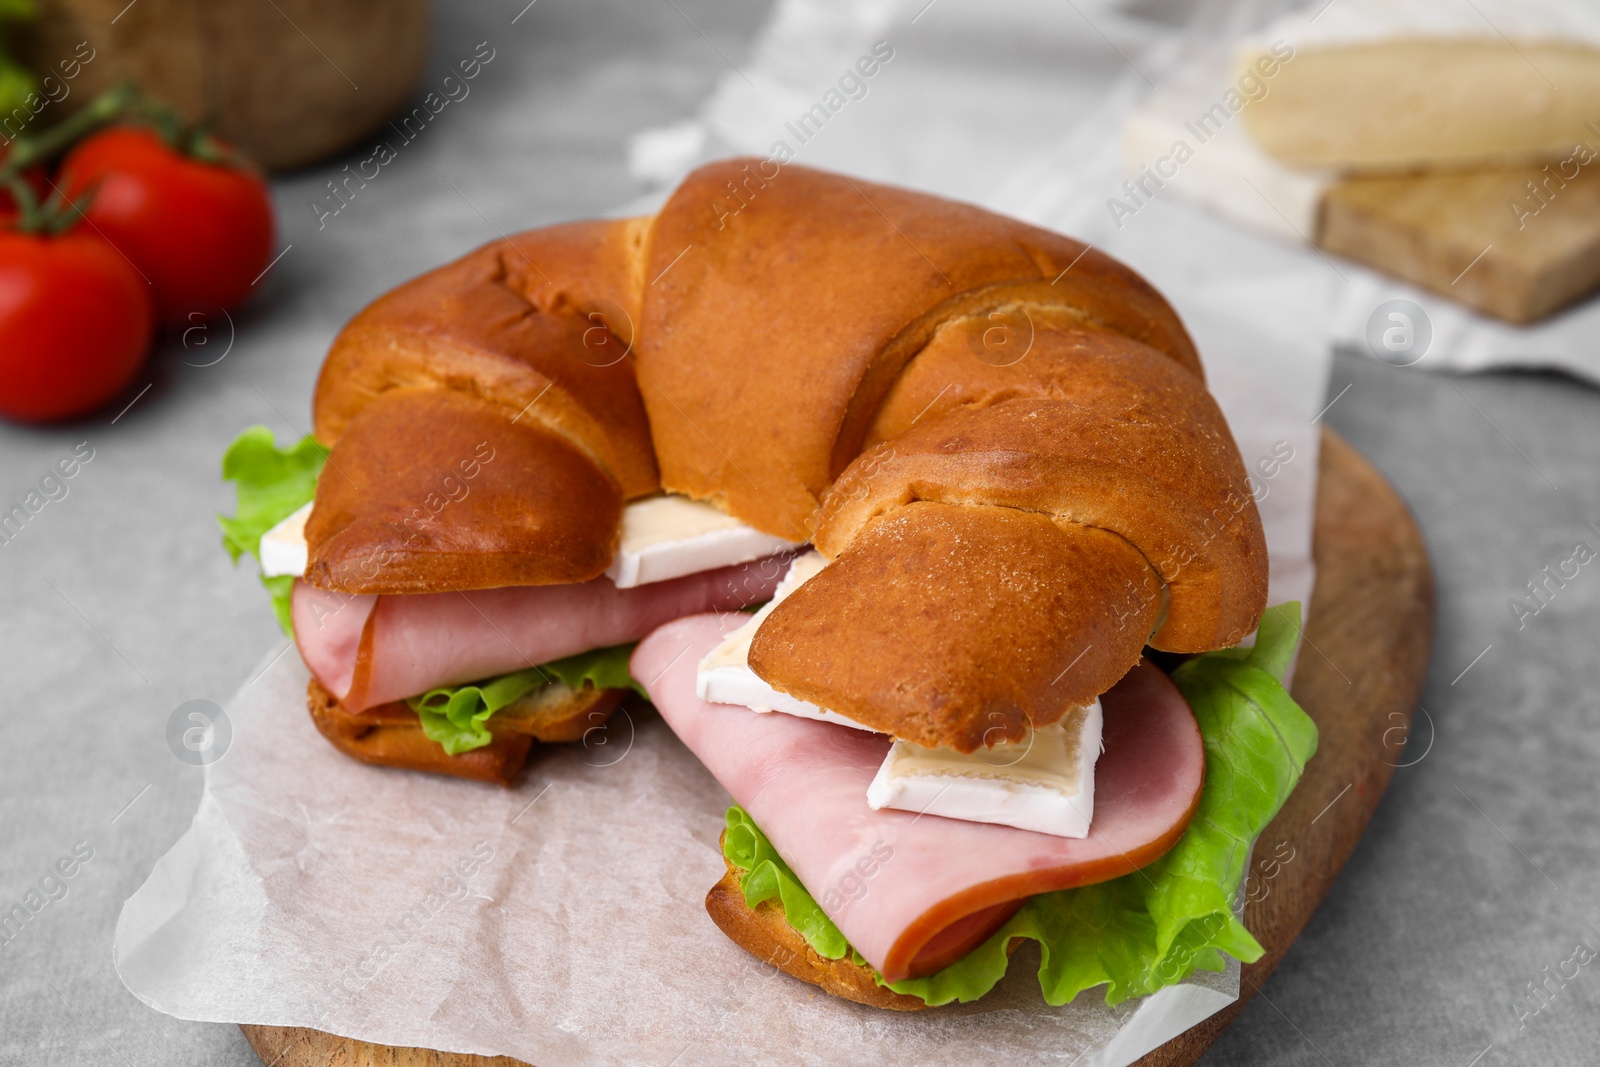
(949, 730)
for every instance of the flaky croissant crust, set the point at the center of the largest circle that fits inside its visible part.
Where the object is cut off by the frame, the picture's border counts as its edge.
(1000, 436)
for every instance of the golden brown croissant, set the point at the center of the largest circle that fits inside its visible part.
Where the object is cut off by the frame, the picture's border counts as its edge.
(1001, 437)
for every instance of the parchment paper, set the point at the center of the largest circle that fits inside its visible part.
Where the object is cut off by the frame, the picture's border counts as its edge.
(561, 922)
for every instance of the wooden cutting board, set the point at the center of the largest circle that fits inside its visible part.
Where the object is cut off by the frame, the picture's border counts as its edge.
(1360, 673)
(1518, 243)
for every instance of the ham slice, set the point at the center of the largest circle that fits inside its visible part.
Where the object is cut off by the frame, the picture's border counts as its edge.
(369, 650)
(913, 893)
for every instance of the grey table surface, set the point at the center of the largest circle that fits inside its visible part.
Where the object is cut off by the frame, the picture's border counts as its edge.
(1475, 883)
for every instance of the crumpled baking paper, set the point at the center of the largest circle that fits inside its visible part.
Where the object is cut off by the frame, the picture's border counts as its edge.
(561, 922)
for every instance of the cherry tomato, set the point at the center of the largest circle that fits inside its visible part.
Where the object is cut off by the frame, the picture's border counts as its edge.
(200, 231)
(75, 323)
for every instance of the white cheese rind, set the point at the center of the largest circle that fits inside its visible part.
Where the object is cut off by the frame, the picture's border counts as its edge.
(662, 537)
(1228, 173)
(724, 675)
(670, 536)
(741, 685)
(283, 548)
(1044, 784)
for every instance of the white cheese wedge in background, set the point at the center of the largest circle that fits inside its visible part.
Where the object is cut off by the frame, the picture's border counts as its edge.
(1399, 84)
(662, 537)
(1221, 168)
(670, 536)
(1044, 783)
(725, 677)
(283, 548)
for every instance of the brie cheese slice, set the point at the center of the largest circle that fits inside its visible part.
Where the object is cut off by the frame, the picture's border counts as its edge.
(1044, 783)
(662, 537)
(670, 536)
(725, 677)
(283, 548)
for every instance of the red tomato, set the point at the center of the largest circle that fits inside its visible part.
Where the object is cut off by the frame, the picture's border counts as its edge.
(201, 232)
(75, 322)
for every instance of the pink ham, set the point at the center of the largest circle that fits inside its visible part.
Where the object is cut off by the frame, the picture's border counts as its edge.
(369, 650)
(936, 886)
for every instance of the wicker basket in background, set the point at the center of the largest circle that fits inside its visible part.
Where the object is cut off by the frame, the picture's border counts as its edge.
(289, 81)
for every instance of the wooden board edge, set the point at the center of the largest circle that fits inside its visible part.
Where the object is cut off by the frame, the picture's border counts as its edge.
(1380, 605)
(293, 1046)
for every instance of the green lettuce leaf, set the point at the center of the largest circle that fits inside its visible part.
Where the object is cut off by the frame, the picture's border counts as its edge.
(603, 668)
(1152, 928)
(457, 716)
(766, 876)
(270, 484)
(454, 717)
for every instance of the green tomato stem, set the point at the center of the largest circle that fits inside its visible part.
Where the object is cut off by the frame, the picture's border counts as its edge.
(29, 218)
(120, 103)
(60, 214)
(106, 108)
